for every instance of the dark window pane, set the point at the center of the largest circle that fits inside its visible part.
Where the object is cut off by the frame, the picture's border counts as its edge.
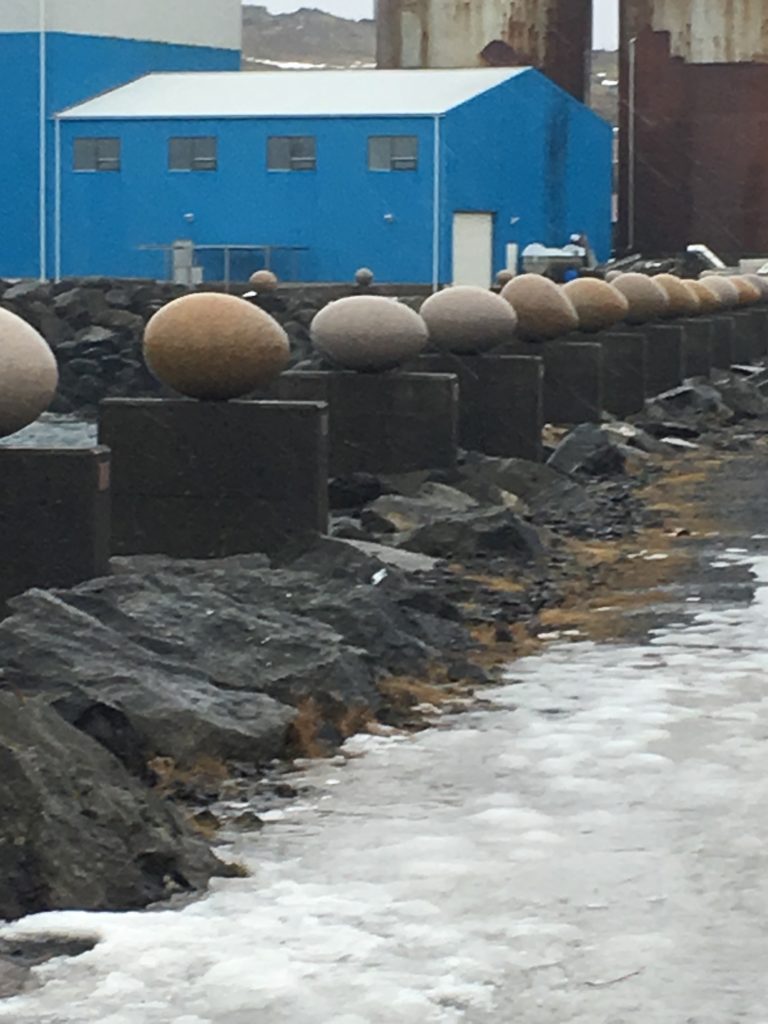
(291, 153)
(193, 153)
(97, 155)
(279, 154)
(379, 153)
(179, 152)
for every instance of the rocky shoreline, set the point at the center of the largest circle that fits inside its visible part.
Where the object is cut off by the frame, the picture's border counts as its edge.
(135, 706)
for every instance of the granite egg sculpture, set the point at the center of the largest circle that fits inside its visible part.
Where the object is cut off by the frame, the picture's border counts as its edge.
(647, 300)
(364, 277)
(708, 302)
(543, 309)
(467, 319)
(263, 281)
(598, 304)
(504, 277)
(214, 347)
(723, 289)
(749, 294)
(611, 276)
(368, 333)
(28, 374)
(683, 301)
(760, 281)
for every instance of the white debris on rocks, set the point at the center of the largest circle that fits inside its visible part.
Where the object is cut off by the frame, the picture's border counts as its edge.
(591, 850)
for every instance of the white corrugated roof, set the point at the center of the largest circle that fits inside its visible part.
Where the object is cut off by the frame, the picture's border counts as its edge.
(293, 94)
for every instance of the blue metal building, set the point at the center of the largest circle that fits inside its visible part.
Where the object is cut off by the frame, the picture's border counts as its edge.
(426, 176)
(54, 53)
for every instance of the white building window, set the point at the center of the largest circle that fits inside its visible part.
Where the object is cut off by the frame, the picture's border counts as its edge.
(291, 153)
(393, 153)
(97, 154)
(193, 153)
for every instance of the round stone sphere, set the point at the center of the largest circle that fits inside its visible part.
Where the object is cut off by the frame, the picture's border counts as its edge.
(368, 333)
(760, 281)
(682, 300)
(749, 294)
(647, 300)
(28, 374)
(724, 290)
(543, 310)
(263, 281)
(364, 277)
(214, 347)
(467, 319)
(504, 277)
(598, 304)
(611, 276)
(708, 302)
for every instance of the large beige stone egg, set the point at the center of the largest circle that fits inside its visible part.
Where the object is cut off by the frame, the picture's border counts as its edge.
(647, 300)
(369, 332)
(749, 294)
(215, 347)
(543, 309)
(723, 289)
(683, 301)
(760, 282)
(598, 305)
(611, 276)
(28, 374)
(709, 303)
(466, 319)
(263, 281)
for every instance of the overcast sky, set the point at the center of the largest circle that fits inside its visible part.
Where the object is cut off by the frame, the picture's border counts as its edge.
(606, 14)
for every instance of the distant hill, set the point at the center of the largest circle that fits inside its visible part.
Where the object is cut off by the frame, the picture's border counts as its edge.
(313, 39)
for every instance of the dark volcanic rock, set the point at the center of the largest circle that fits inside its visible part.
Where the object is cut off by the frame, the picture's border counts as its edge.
(465, 536)
(76, 831)
(140, 700)
(589, 450)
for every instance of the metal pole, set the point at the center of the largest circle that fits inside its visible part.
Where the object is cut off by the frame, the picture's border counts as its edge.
(226, 267)
(631, 176)
(43, 142)
(436, 204)
(57, 201)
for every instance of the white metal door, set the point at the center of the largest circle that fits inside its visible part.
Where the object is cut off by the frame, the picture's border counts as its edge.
(473, 249)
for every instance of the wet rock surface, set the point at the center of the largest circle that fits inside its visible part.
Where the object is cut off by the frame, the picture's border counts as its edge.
(76, 830)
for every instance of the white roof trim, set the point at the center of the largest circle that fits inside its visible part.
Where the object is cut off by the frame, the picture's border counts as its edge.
(293, 94)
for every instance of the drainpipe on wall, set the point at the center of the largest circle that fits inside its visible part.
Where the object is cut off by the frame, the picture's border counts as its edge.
(57, 201)
(631, 142)
(43, 142)
(436, 202)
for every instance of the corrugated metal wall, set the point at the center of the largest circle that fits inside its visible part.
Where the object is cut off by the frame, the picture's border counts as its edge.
(694, 140)
(552, 35)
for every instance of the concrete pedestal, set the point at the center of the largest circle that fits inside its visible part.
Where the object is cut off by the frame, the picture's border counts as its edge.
(212, 479)
(624, 371)
(54, 517)
(573, 378)
(501, 401)
(382, 422)
(664, 350)
(723, 341)
(759, 316)
(747, 344)
(698, 346)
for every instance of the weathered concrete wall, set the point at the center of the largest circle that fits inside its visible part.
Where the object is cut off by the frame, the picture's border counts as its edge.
(703, 31)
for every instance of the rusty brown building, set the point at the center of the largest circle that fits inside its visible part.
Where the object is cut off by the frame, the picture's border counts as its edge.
(694, 119)
(554, 36)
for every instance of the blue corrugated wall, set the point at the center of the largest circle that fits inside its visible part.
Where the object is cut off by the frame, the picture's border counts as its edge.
(536, 158)
(341, 212)
(78, 68)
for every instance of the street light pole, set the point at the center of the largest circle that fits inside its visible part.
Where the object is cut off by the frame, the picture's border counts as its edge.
(43, 139)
